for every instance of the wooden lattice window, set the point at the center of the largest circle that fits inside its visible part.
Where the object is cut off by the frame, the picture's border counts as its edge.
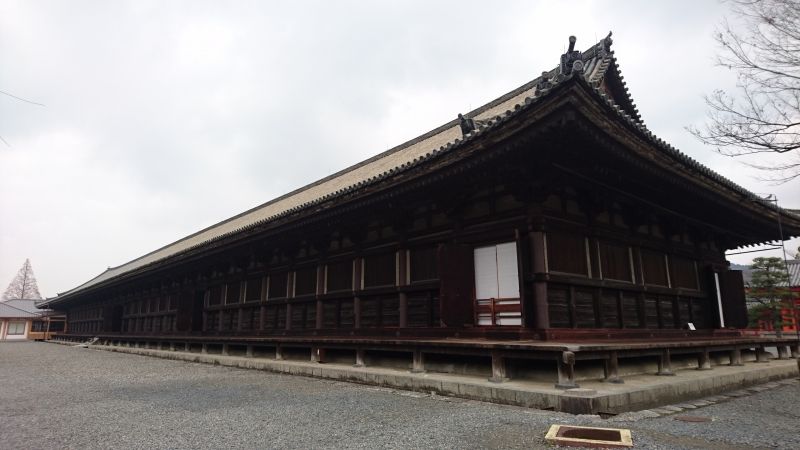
(232, 293)
(339, 276)
(278, 284)
(615, 261)
(567, 253)
(654, 266)
(424, 264)
(684, 272)
(380, 270)
(215, 296)
(305, 281)
(253, 289)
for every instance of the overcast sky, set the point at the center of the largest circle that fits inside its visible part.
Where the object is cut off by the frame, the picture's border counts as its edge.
(162, 118)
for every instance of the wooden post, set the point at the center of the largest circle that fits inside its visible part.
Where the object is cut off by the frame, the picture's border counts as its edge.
(288, 324)
(317, 355)
(703, 360)
(359, 358)
(402, 278)
(783, 352)
(278, 352)
(665, 364)
(249, 352)
(541, 308)
(418, 363)
(172, 346)
(736, 357)
(356, 312)
(499, 368)
(566, 371)
(204, 349)
(225, 350)
(796, 350)
(612, 369)
(320, 291)
(262, 313)
(403, 300)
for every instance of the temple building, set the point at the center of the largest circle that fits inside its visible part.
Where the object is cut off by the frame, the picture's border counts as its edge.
(551, 215)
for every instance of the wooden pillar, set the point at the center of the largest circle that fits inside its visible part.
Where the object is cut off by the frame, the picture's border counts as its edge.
(172, 346)
(566, 371)
(418, 363)
(278, 352)
(736, 357)
(499, 368)
(262, 317)
(783, 352)
(359, 358)
(204, 349)
(665, 364)
(320, 291)
(403, 297)
(612, 368)
(795, 350)
(356, 312)
(262, 313)
(357, 265)
(249, 352)
(240, 302)
(187, 347)
(225, 350)
(703, 360)
(288, 324)
(541, 309)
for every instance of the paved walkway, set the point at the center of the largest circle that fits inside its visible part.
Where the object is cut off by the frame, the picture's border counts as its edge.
(54, 396)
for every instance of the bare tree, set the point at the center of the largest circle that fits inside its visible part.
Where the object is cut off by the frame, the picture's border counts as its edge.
(23, 285)
(763, 116)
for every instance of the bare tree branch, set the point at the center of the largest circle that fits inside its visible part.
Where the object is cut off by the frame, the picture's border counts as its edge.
(763, 115)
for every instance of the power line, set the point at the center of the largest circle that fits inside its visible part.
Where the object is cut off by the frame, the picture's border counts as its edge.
(21, 99)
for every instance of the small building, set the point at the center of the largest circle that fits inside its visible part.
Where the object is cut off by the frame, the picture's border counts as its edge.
(20, 320)
(551, 213)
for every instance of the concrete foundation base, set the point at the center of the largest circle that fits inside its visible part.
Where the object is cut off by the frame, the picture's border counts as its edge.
(637, 393)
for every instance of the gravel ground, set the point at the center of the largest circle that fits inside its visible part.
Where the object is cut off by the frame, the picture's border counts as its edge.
(54, 396)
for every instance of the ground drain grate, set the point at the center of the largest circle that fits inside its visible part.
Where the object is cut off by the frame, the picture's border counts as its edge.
(697, 419)
(574, 436)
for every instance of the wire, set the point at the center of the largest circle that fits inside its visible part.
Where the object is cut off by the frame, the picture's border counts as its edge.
(21, 99)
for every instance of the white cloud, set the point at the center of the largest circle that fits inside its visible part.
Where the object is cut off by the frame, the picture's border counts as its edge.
(163, 118)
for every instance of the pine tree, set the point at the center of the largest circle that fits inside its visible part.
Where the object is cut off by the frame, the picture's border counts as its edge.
(769, 292)
(23, 285)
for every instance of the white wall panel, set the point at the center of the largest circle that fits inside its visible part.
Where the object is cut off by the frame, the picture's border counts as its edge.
(486, 272)
(507, 273)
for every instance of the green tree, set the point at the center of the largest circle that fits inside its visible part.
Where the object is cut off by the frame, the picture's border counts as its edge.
(769, 291)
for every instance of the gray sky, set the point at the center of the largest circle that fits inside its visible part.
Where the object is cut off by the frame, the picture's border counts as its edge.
(162, 118)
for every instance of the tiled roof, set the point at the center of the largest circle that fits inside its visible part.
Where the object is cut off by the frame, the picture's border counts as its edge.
(597, 62)
(794, 272)
(10, 312)
(28, 305)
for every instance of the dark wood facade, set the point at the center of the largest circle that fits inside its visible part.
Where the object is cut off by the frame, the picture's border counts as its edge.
(564, 214)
